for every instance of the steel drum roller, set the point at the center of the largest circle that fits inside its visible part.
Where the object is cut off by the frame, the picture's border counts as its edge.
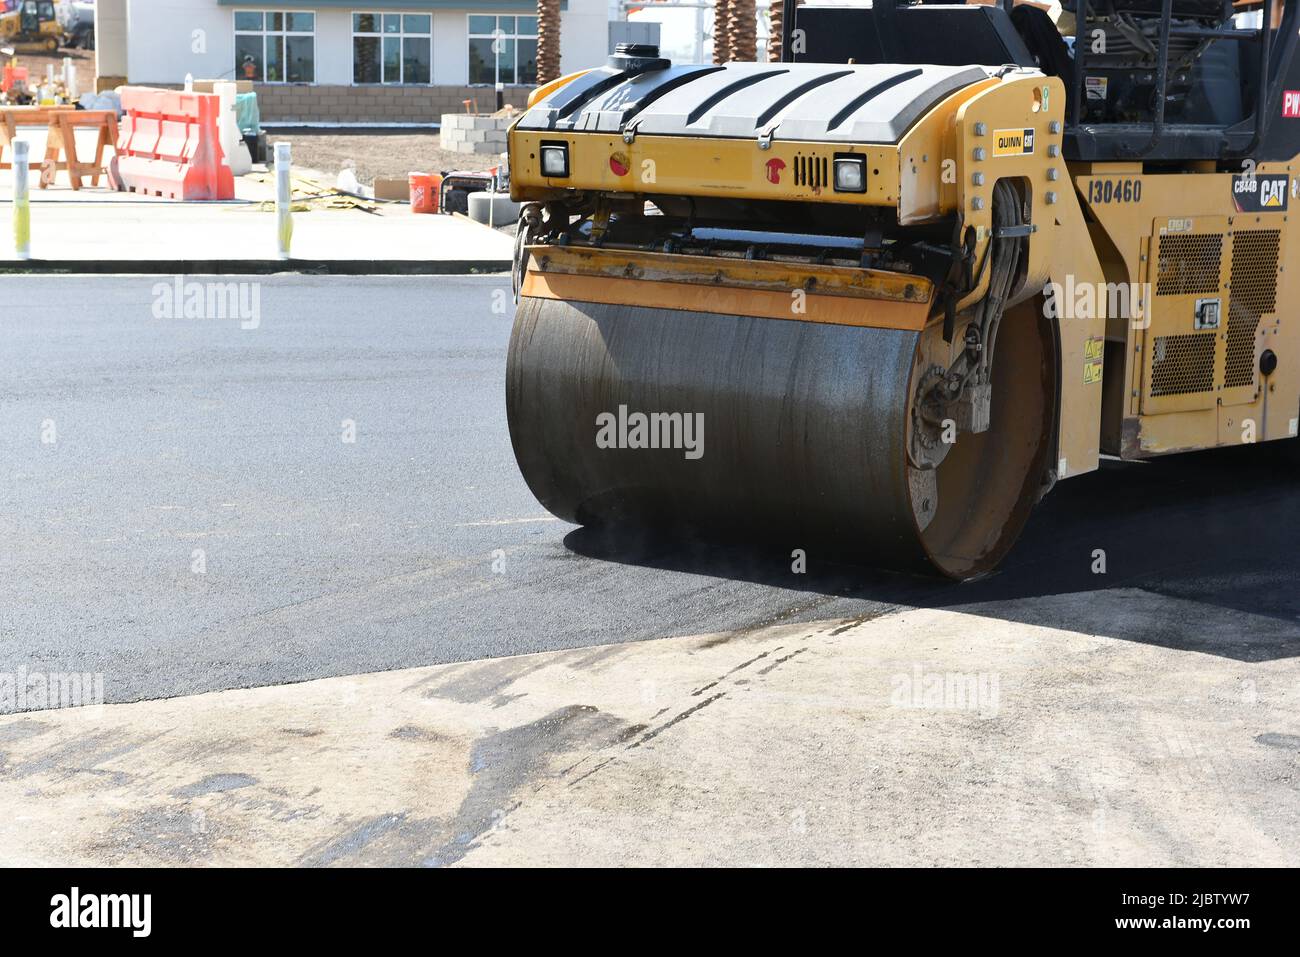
(805, 427)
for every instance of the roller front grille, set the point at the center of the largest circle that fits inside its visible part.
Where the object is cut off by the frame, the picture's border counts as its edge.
(811, 171)
(1189, 263)
(1253, 295)
(1183, 364)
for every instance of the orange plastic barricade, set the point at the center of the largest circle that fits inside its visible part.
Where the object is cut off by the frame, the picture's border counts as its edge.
(424, 192)
(169, 145)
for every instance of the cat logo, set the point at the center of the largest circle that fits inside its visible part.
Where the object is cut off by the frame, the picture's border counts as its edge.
(1272, 193)
(1261, 192)
(1013, 142)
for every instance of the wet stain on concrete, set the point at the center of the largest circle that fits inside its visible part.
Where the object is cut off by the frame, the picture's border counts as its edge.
(411, 732)
(630, 732)
(511, 761)
(212, 750)
(81, 755)
(780, 661)
(678, 719)
(789, 613)
(740, 667)
(863, 619)
(22, 730)
(215, 784)
(483, 681)
(586, 659)
(1274, 739)
(589, 773)
(168, 834)
(115, 778)
(385, 840)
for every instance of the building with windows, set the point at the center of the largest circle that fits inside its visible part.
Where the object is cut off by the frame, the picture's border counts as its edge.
(400, 61)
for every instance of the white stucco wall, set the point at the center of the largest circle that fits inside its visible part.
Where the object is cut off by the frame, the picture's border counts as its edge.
(333, 46)
(110, 38)
(451, 47)
(169, 38)
(584, 35)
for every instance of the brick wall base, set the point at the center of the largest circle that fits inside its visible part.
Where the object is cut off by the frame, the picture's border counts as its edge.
(375, 104)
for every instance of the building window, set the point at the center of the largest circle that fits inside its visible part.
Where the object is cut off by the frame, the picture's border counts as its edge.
(392, 48)
(275, 46)
(502, 49)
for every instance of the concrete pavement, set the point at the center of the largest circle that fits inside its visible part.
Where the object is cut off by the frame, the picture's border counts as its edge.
(923, 737)
(102, 231)
(235, 238)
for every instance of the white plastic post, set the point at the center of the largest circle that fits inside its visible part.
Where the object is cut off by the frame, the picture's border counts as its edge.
(235, 154)
(283, 192)
(189, 82)
(70, 80)
(22, 202)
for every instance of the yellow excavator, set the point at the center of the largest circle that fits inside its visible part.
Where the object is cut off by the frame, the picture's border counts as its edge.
(32, 27)
(888, 291)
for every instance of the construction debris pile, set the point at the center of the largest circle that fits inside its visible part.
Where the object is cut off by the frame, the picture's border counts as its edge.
(308, 194)
(19, 88)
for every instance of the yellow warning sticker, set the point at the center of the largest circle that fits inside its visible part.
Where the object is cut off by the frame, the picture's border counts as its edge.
(1094, 348)
(1092, 372)
(1013, 142)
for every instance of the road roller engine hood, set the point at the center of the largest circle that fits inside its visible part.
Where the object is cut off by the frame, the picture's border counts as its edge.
(865, 135)
(889, 167)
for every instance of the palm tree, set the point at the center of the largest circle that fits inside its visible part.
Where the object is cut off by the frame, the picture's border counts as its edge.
(776, 16)
(548, 40)
(742, 31)
(721, 48)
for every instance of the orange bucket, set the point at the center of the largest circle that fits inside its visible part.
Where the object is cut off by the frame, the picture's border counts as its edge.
(424, 191)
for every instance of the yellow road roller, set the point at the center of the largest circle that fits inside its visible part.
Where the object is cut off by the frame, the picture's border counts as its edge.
(887, 291)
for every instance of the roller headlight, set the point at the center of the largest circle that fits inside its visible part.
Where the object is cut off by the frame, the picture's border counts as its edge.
(850, 174)
(555, 160)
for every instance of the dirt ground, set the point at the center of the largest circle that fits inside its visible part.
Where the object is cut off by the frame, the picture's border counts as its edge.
(377, 154)
(83, 61)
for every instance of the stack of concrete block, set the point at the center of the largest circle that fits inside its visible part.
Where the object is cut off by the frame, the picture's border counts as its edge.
(480, 133)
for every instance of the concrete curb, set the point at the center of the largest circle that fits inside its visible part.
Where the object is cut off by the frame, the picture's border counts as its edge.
(261, 267)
